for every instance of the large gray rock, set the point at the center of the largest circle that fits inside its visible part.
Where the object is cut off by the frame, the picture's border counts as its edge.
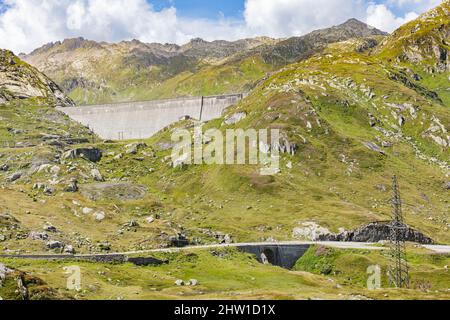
(90, 154)
(14, 177)
(4, 271)
(69, 250)
(95, 173)
(375, 232)
(50, 228)
(72, 186)
(54, 245)
(134, 148)
(35, 235)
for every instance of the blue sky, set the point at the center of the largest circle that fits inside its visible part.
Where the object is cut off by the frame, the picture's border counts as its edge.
(203, 8)
(28, 24)
(211, 9)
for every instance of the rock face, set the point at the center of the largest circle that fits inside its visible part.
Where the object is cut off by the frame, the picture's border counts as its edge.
(375, 232)
(424, 41)
(18, 80)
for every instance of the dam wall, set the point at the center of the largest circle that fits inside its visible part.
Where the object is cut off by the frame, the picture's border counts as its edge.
(139, 120)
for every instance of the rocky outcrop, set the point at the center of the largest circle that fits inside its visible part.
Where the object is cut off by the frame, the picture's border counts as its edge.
(423, 41)
(235, 118)
(375, 232)
(90, 154)
(18, 80)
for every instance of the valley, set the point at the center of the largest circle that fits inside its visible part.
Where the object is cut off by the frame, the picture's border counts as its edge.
(354, 106)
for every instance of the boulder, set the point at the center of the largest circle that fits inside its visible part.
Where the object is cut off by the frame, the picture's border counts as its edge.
(95, 173)
(54, 245)
(4, 271)
(376, 232)
(192, 282)
(35, 235)
(87, 210)
(310, 231)
(69, 249)
(179, 283)
(104, 246)
(90, 154)
(14, 177)
(49, 190)
(50, 228)
(134, 148)
(99, 216)
(72, 186)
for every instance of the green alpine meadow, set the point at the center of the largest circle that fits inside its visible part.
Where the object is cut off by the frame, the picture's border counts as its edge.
(355, 120)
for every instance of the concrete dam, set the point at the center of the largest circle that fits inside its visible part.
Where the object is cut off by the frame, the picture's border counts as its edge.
(139, 120)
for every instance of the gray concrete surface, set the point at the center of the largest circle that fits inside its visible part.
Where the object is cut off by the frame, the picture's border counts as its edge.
(139, 120)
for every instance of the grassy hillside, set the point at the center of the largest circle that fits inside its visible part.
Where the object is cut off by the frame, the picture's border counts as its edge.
(356, 119)
(228, 274)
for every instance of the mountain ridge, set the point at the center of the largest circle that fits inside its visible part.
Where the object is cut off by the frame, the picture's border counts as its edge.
(154, 69)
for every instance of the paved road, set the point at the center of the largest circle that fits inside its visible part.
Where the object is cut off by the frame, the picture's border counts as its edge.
(340, 245)
(438, 249)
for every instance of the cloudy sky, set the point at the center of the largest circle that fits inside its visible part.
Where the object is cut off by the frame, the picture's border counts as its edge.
(28, 24)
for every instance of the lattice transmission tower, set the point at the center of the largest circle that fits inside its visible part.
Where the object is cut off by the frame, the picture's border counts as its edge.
(399, 270)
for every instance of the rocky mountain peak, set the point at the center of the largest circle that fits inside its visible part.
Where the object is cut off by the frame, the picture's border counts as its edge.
(359, 28)
(77, 43)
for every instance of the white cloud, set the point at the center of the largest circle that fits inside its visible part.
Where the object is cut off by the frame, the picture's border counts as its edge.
(283, 18)
(28, 24)
(379, 16)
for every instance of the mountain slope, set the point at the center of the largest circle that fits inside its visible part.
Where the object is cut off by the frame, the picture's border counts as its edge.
(422, 49)
(348, 118)
(18, 80)
(100, 72)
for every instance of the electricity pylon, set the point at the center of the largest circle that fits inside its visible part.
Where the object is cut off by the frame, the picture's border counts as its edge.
(399, 270)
